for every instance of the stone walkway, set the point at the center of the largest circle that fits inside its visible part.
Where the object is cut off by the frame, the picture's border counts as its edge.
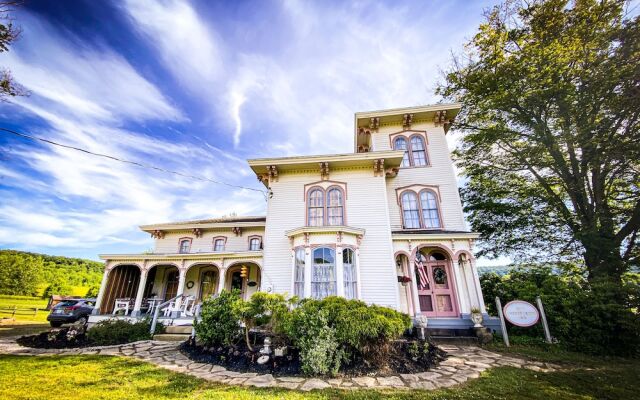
(464, 363)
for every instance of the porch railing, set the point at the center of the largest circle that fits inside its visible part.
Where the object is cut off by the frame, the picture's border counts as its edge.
(162, 306)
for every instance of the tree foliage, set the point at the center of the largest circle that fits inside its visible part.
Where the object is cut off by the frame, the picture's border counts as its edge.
(23, 273)
(551, 147)
(8, 34)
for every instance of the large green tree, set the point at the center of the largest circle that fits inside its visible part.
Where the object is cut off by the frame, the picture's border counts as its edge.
(20, 273)
(551, 147)
(8, 34)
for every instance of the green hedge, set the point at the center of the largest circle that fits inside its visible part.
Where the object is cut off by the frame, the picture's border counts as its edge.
(590, 317)
(113, 331)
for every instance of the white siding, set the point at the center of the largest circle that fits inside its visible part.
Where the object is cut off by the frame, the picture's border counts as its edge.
(439, 173)
(366, 208)
(169, 244)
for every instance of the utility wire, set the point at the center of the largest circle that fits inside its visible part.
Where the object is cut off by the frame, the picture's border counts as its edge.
(149, 166)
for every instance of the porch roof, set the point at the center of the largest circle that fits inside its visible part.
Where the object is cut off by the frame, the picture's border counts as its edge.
(226, 222)
(180, 256)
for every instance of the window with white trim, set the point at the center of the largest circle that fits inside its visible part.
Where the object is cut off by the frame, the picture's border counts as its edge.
(255, 244)
(410, 211)
(316, 208)
(430, 214)
(418, 152)
(335, 209)
(349, 274)
(323, 273)
(185, 246)
(400, 143)
(298, 273)
(218, 245)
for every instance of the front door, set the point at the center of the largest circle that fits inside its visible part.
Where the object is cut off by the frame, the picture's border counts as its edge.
(435, 286)
(237, 282)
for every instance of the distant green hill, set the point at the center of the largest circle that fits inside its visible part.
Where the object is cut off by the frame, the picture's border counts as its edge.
(498, 269)
(32, 274)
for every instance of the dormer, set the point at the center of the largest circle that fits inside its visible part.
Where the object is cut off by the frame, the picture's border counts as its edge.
(369, 123)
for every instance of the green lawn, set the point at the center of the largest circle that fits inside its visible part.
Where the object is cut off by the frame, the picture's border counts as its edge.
(26, 308)
(96, 377)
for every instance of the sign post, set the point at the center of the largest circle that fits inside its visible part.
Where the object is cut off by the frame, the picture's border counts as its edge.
(547, 334)
(505, 335)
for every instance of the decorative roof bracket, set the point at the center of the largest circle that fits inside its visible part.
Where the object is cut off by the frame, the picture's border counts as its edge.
(324, 170)
(407, 120)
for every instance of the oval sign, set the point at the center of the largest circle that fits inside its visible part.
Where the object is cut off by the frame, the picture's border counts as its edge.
(521, 313)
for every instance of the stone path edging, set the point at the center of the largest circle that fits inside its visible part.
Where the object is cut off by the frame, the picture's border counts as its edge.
(464, 363)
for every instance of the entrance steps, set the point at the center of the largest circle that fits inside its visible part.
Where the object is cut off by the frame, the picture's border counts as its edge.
(463, 337)
(179, 333)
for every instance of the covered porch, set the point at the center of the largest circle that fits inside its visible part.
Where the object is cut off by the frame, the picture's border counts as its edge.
(134, 289)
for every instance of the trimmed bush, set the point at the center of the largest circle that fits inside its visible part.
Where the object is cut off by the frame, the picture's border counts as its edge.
(350, 330)
(219, 319)
(114, 331)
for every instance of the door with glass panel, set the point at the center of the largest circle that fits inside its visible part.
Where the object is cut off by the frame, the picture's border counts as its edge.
(435, 283)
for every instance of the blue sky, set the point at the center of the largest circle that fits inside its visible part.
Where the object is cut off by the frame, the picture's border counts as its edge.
(196, 87)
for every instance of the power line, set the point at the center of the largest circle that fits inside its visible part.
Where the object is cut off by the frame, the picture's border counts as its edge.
(149, 166)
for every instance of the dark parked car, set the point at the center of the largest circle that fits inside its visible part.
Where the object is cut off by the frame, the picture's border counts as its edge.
(70, 311)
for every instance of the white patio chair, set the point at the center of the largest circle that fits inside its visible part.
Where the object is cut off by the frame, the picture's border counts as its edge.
(122, 305)
(186, 308)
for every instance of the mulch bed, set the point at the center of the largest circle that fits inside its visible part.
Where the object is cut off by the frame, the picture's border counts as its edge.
(240, 359)
(57, 338)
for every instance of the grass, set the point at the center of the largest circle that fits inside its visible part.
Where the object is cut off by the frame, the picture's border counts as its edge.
(22, 328)
(96, 377)
(23, 302)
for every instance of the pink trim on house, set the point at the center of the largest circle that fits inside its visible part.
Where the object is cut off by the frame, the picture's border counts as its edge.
(401, 191)
(224, 246)
(433, 291)
(259, 237)
(190, 240)
(407, 136)
(325, 202)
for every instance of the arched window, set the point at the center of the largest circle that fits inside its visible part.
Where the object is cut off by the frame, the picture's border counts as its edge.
(410, 211)
(218, 244)
(429, 205)
(316, 208)
(298, 273)
(400, 143)
(418, 153)
(323, 273)
(350, 277)
(255, 244)
(335, 207)
(185, 245)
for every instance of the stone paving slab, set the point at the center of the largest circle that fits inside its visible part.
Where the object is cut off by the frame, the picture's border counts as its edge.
(464, 363)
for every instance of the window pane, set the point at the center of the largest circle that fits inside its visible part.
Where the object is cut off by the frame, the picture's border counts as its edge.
(207, 284)
(335, 207)
(401, 144)
(218, 245)
(349, 275)
(254, 245)
(323, 276)
(298, 277)
(418, 151)
(184, 246)
(429, 206)
(316, 208)
(410, 212)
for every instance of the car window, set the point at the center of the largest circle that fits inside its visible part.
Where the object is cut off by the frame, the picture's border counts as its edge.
(67, 303)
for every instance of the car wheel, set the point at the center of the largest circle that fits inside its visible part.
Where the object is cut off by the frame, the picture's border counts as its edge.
(55, 324)
(82, 321)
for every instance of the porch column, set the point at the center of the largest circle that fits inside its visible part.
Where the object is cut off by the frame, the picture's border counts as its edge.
(143, 283)
(414, 288)
(339, 271)
(103, 287)
(221, 280)
(462, 297)
(358, 285)
(183, 275)
(307, 272)
(471, 287)
(476, 281)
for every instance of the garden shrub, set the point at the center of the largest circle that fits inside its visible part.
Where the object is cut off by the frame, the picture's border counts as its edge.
(362, 332)
(114, 331)
(583, 316)
(219, 319)
(262, 309)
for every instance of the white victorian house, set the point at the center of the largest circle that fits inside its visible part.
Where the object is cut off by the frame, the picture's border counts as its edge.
(383, 224)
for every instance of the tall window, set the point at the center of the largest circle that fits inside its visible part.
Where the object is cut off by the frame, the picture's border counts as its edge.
(218, 244)
(254, 244)
(429, 204)
(316, 207)
(207, 284)
(323, 274)
(350, 280)
(410, 211)
(185, 245)
(298, 273)
(401, 144)
(334, 207)
(418, 152)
